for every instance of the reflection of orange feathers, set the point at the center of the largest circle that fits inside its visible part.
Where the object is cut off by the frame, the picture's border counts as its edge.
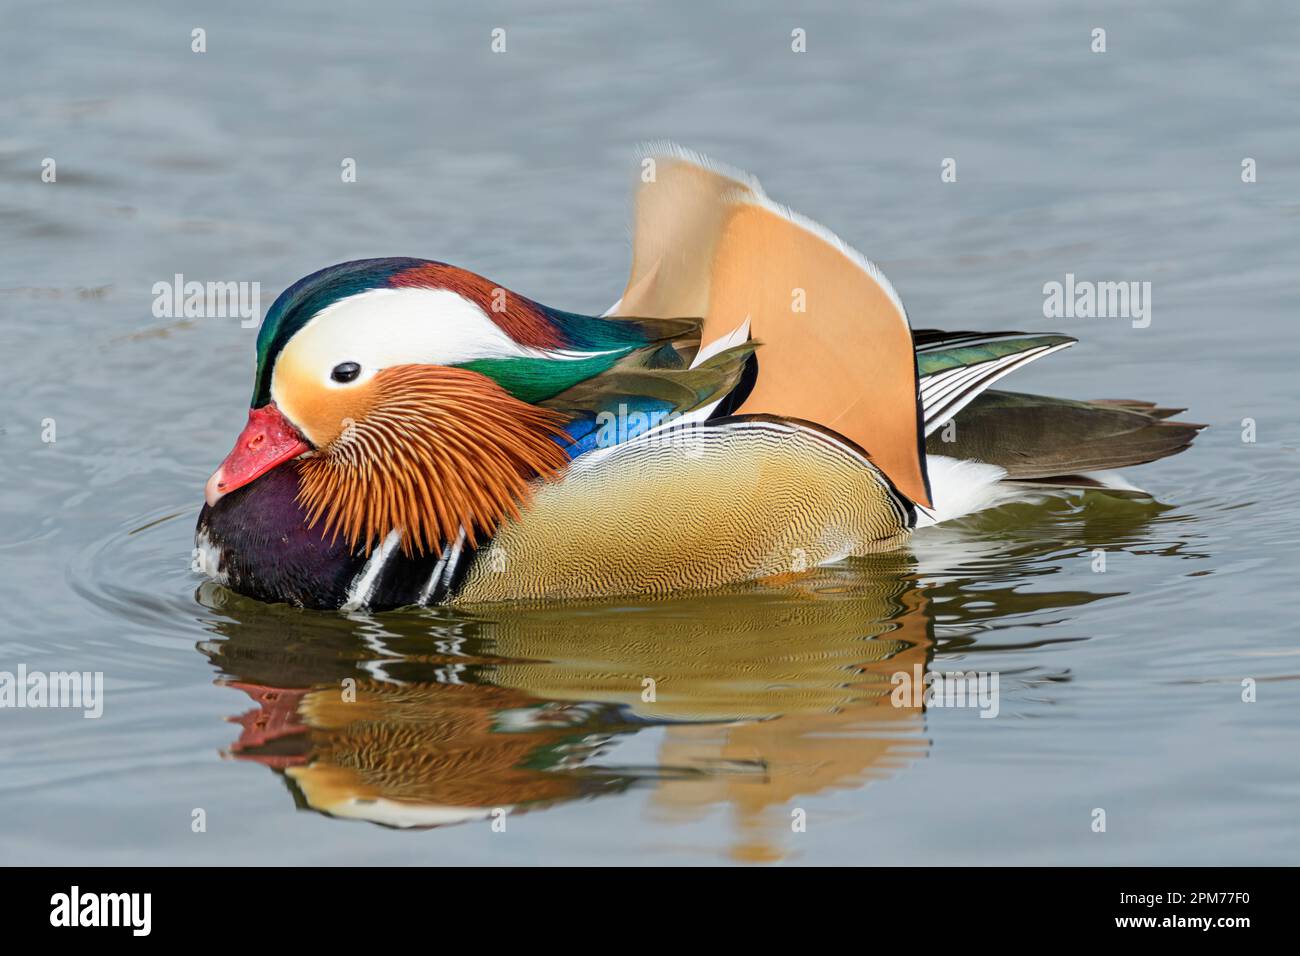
(805, 752)
(424, 745)
(441, 448)
(835, 347)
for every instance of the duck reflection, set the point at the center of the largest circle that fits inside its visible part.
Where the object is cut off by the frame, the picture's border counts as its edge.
(757, 697)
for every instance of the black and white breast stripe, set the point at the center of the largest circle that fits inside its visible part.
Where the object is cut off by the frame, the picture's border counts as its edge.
(391, 579)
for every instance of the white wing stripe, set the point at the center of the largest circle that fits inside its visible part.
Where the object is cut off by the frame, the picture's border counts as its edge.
(952, 383)
(940, 410)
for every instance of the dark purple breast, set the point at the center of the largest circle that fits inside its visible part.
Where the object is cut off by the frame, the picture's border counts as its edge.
(264, 549)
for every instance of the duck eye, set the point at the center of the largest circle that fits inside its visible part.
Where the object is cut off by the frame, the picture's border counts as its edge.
(345, 371)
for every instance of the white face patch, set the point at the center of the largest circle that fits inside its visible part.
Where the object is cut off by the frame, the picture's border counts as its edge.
(386, 327)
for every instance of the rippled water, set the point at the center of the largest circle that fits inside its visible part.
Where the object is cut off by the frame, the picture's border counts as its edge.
(1119, 690)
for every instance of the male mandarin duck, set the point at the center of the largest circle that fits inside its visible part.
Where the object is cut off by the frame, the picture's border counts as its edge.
(755, 404)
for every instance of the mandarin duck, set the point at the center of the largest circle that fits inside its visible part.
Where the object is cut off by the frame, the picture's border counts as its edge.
(755, 404)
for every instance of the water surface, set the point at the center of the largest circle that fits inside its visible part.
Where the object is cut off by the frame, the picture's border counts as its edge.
(1119, 690)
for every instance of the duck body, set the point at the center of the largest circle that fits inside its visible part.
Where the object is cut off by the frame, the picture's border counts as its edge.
(774, 497)
(756, 404)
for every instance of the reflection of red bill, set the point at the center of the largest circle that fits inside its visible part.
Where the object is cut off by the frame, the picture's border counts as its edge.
(268, 440)
(275, 720)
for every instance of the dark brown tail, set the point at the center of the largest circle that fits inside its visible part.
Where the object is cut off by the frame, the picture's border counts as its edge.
(1033, 436)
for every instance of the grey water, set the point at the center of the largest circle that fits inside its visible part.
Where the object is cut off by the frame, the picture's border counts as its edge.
(1147, 648)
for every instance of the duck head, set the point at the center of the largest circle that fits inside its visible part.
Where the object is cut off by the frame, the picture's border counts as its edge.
(405, 390)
